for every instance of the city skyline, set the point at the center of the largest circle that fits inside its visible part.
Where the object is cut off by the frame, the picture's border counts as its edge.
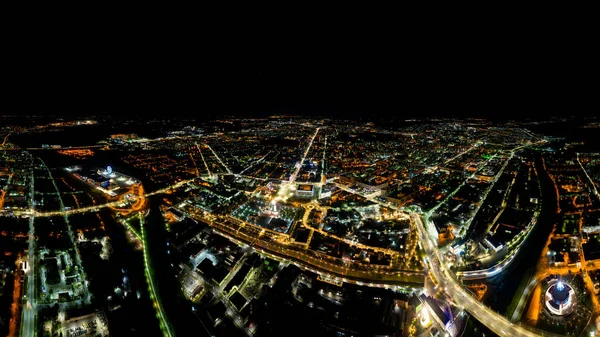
(244, 226)
(197, 178)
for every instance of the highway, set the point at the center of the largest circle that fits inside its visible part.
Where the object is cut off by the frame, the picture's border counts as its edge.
(29, 310)
(295, 174)
(491, 319)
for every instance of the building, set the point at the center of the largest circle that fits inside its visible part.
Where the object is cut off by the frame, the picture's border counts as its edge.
(560, 298)
(305, 191)
(438, 315)
(78, 314)
(175, 213)
(428, 308)
(119, 138)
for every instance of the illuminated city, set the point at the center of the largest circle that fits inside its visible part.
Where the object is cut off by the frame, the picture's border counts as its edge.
(253, 175)
(238, 226)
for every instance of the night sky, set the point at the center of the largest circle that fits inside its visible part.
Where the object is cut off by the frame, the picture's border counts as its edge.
(338, 73)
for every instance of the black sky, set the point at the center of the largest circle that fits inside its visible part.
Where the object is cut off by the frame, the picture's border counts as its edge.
(340, 71)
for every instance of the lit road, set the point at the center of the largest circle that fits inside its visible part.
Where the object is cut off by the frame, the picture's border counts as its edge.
(333, 236)
(260, 160)
(29, 310)
(219, 159)
(324, 153)
(492, 320)
(165, 326)
(217, 292)
(496, 269)
(65, 148)
(462, 153)
(32, 212)
(451, 194)
(588, 176)
(479, 167)
(489, 188)
(71, 234)
(295, 174)
(5, 138)
(524, 298)
(203, 160)
(28, 323)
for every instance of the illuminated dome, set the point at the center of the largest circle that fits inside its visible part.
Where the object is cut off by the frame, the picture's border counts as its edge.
(560, 292)
(560, 298)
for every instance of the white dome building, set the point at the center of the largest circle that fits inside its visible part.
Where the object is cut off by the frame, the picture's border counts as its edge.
(560, 298)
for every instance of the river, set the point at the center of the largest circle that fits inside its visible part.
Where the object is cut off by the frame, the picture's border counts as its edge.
(504, 286)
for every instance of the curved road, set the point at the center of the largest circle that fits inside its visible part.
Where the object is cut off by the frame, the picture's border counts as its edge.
(491, 319)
